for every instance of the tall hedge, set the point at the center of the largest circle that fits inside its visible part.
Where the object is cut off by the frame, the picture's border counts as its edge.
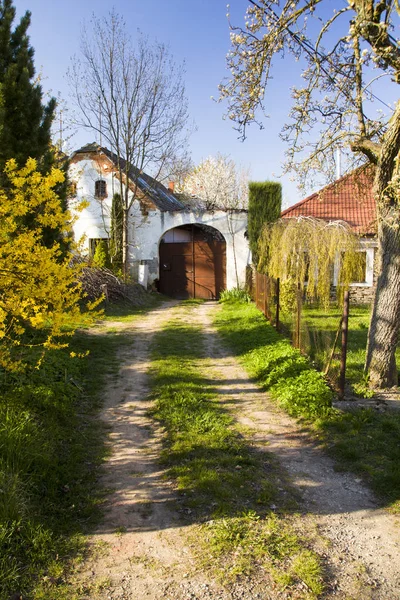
(116, 242)
(265, 202)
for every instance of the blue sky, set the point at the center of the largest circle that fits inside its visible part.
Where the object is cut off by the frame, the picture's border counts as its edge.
(197, 32)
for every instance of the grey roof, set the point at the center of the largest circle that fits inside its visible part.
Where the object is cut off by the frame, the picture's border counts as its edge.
(162, 197)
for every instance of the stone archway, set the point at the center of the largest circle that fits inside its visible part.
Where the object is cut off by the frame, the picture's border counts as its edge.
(192, 262)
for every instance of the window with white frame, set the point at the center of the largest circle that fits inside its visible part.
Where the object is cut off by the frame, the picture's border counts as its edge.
(367, 269)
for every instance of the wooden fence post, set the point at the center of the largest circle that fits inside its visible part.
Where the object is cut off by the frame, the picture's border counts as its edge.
(265, 297)
(277, 305)
(298, 317)
(345, 328)
(328, 366)
(257, 290)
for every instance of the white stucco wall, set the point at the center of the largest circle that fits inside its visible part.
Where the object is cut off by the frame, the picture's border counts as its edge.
(93, 221)
(146, 230)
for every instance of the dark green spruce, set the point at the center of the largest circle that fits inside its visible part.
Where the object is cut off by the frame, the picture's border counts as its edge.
(25, 120)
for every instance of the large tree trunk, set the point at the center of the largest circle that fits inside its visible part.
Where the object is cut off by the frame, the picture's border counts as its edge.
(383, 334)
(385, 319)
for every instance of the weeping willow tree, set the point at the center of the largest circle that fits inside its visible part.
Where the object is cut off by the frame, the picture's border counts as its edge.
(304, 252)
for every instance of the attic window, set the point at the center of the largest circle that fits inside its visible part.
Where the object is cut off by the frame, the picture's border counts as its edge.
(100, 189)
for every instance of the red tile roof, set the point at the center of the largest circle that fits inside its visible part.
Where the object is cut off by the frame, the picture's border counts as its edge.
(348, 199)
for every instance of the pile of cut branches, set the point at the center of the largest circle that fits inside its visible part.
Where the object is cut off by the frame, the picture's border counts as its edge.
(100, 281)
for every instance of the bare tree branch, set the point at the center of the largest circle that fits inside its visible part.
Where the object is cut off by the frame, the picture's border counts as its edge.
(133, 96)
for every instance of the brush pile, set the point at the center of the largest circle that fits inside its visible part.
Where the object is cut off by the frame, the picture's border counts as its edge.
(100, 281)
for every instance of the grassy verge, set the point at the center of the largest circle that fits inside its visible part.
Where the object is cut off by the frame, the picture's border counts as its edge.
(224, 484)
(366, 442)
(271, 359)
(319, 327)
(362, 440)
(51, 447)
(124, 311)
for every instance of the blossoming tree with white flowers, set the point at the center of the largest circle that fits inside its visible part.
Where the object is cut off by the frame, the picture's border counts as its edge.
(222, 185)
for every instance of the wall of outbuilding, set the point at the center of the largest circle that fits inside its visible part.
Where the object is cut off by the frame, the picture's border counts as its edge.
(147, 231)
(147, 226)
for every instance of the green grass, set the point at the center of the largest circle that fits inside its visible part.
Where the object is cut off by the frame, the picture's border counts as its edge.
(319, 328)
(235, 492)
(236, 294)
(192, 302)
(51, 447)
(271, 359)
(364, 441)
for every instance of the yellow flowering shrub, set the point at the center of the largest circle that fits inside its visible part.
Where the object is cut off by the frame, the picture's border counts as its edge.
(39, 289)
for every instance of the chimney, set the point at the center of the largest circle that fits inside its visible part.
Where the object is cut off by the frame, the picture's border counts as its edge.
(338, 163)
(171, 186)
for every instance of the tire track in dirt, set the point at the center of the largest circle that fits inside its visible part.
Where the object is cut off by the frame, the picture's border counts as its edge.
(362, 541)
(140, 549)
(144, 550)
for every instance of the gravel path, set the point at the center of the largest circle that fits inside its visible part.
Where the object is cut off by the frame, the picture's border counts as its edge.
(142, 544)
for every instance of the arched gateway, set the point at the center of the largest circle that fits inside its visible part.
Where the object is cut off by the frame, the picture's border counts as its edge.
(192, 262)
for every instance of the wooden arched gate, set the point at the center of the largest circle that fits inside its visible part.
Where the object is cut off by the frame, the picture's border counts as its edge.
(192, 262)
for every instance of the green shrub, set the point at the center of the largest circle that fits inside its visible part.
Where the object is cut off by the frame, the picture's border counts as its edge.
(101, 257)
(236, 294)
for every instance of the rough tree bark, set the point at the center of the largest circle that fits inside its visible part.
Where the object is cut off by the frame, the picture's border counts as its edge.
(384, 330)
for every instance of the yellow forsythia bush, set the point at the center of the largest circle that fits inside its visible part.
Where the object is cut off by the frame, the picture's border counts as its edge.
(39, 288)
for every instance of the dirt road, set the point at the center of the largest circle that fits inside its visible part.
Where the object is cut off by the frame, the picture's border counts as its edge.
(143, 549)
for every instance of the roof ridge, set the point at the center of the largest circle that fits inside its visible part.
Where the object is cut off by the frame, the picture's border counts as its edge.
(161, 196)
(341, 200)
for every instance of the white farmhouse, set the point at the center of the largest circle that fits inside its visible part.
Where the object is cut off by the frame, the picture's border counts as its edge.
(174, 243)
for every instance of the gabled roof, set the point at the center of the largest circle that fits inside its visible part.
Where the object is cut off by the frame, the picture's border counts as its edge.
(349, 199)
(161, 196)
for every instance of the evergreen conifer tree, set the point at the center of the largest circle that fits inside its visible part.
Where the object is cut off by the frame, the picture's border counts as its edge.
(101, 257)
(116, 241)
(265, 202)
(25, 122)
